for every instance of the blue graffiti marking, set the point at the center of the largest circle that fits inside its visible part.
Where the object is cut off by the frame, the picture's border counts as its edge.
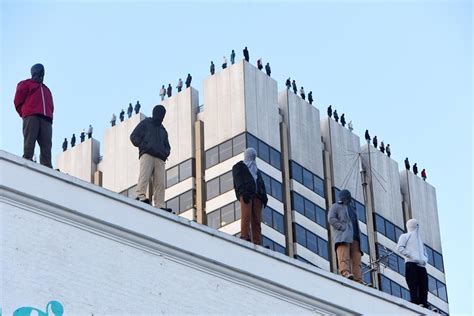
(56, 310)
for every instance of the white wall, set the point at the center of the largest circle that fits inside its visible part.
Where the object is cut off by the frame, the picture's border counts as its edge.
(81, 160)
(98, 252)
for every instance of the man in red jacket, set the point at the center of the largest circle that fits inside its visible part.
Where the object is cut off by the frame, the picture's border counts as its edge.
(34, 103)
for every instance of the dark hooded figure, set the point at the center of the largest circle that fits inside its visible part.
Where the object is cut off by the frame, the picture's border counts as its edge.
(188, 80)
(330, 111)
(415, 169)
(169, 90)
(407, 164)
(375, 141)
(295, 90)
(268, 70)
(336, 116)
(246, 54)
(310, 97)
(367, 136)
(382, 147)
(82, 136)
(387, 149)
(342, 217)
(212, 68)
(73, 140)
(65, 144)
(34, 103)
(343, 120)
(151, 138)
(288, 83)
(130, 110)
(137, 107)
(122, 115)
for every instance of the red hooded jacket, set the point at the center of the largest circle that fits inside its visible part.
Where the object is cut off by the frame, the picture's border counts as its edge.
(33, 98)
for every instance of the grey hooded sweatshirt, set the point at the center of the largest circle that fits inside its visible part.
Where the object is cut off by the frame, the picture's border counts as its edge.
(411, 246)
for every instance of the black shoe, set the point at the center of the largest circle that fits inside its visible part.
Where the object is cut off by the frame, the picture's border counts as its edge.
(147, 201)
(169, 210)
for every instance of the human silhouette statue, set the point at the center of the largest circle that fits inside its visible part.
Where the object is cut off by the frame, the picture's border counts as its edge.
(330, 111)
(294, 87)
(268, 70)
(302, 93)
(343, 120)
(407, 164)
(113, 119)
(336, 116)
(224, 62)
(73, 140)
(375, 141)
(246, 54)
(82, 136)
(122, 115)
(129, 110)
(259, 64)
(65, 144)
(212, 68)
(423, 174)
(367, 136)
(415, 169)
(387, 149)
(232, 57)
(288, 83)
(179, 86)
(189, 78)
(169, 90)
(137, 107)
(89, 132)
(350, 126)
(310, 97)
(382, 147)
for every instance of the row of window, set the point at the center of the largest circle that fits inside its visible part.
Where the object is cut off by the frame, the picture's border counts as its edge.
(219, 185)
(182, 202)
(267, 242)
(364, 243)
(180, 172)
(359, 207)
(273, 219)
(308, 209)
(307, 178)
(273, 187)
(391, 259)
(224, 215)
(393, 232)
(366, 275)
(438, 288)
(311, 241)
(237, 145)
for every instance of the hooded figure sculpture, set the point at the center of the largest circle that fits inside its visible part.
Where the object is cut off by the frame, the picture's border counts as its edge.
(345, 231)
(250, 191)
(412, 248)
(151, 138)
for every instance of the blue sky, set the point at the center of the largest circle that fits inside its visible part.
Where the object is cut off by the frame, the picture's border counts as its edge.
(402, 69)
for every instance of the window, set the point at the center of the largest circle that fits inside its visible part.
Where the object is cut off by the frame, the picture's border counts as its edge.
(227, 214)
(360, 208)
(212, 188)
(275, 159)
(278, 222)
(173, 204)
(442, 291)
(429, 251)
(296, 171)
(366, 275)
(214, 219)
(323, 248)
(252, 142)
(312, 242)
(277, 191)
(308, 179)
(432, 285)
(212, 157)
(300, 235)
(364, 243)
(405, 294)
(225, 150)
(237, 210)
(186, 201)
(396, 289)
(267, 242)
(279, 248)
(379, 224)
(263, 151)
(310, 210)
(298, 202)
(401, 266)
(385, 284)
(267, 216)
(172, 176)
(319, 186)
(390, 230)
(238, 144)
(226, 182)
(267, 181)
(321, 217)
(398, 233)
(438, 261)
(186, 170)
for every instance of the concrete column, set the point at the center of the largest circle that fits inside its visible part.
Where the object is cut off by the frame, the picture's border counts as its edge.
(200, 215)
(329, 198)
(288, 217)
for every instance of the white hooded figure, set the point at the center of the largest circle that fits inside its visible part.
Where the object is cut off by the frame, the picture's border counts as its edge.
(412, 248)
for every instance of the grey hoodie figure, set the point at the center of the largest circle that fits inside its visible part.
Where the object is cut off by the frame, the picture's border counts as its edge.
(345, 229)
(151, 138)
(411, 247)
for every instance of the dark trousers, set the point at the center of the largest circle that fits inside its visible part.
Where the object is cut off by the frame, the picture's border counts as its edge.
(37, 129)
(417, 281)
(251, 218)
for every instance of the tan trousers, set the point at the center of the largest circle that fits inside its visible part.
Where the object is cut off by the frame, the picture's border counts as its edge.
(152, 166)
(348, 259)
(251, 215)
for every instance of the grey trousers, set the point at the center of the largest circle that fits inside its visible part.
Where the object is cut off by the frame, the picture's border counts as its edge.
(152, 167)
(37, 129)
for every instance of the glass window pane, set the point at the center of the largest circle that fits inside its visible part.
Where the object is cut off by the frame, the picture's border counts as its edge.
(379, 224)
(186, 201)
(321, 217)
(279, 248)
(405, 294)
(275, 160)
(323, 248)
(172, 176)
(296, 171)
(212, 157)
(396, 290)
(252, 142)
(390, 231)
(438, 261)
(385, 284)
(238, 145)
(186, 170)
(277, 191)
(212, 188)
(278, 222)
(267, 181)
(214, 219)
(308, 179)
(263, 151)
(367, 276)
(393, 262)
(237, 210)
(227, 214)
(267, 216)
(318, 186)
(225, 150)
(432, 285)
(266, 242)
(442, 291)
(226, 182)
(429, 251)
(309, 210)
(401, 265)
(364, 243)
(312, 242)
(360, 212)
(298, 203)
(300, 234)
(398, 233)
(173, 204)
